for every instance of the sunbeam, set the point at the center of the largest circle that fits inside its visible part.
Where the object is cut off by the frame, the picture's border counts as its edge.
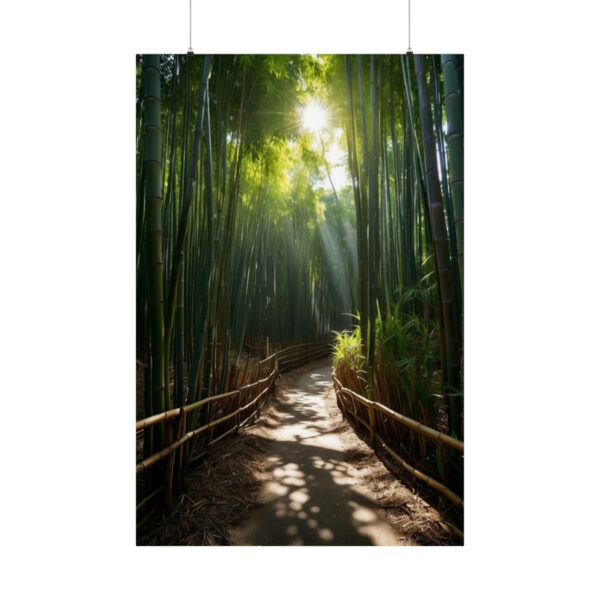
(315, 117)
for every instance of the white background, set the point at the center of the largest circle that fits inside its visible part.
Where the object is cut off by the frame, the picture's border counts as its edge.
(67, 246)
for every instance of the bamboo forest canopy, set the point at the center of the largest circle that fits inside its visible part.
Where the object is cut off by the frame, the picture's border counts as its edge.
(290, 196)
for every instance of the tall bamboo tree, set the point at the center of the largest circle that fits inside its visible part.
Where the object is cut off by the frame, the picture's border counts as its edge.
(450, 65)
(360, 200)
(441, 248)
(154, 231)
(373, 224)
(187, 201)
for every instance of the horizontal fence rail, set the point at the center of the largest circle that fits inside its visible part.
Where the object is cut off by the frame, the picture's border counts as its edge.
(373, 407)
(277, 363)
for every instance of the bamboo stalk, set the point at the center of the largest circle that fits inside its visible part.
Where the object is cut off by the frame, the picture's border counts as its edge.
(360, 420)
(249, 386)
(373, 262)
(169, 469)
(181, 431)
(455, 146)
(372, 425)
(416, 473)
(358, 185)
(428, 431)
(147, 499)
(237, 420)
(197, 457)
(441, 250)
(246, 420)
(176, 412)
(354, 412)
(254, 400)
(282, 353)
(154, 228)
(200, 403)
(146, 517)
(213, 442)
(411, 423)
(154, 419)
(456, 530)
(184, 218)
(152, 460)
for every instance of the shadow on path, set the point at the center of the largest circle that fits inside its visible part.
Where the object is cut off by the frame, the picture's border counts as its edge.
(309, 495)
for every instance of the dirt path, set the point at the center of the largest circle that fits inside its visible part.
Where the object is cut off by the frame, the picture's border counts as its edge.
(310, 493)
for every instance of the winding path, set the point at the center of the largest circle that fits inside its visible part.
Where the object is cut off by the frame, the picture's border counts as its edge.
(309, 496)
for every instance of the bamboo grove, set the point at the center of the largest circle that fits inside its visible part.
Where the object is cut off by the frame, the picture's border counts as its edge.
(405, 148)
(243, 238)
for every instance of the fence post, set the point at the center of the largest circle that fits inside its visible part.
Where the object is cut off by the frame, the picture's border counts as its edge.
(372, 423)
(258, 403)
(169, 463)
(238, 416)
(340, 400)
(181, 431)
(354, 406)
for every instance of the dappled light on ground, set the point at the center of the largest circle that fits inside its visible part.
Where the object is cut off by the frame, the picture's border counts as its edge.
(309, 494)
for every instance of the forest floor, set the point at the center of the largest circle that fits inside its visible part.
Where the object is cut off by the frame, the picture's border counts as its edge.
(299, 476)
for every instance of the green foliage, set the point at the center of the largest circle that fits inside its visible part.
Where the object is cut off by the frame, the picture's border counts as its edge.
(405, 341)
(407, 353)
(407, 357)
(347, 350)
(268, 248)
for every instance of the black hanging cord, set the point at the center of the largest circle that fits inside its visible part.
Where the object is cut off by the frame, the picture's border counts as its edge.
(190, 51)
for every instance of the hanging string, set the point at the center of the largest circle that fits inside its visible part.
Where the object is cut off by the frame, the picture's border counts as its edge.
(190, 51)
(409, 51)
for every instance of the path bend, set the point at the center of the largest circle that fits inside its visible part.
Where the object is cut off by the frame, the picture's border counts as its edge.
(309, 496)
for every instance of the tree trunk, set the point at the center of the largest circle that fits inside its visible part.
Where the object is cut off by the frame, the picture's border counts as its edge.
(154, 232)
(441, 249)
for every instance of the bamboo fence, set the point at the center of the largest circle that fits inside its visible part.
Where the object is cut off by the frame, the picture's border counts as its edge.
(278, 362)
(373, 407)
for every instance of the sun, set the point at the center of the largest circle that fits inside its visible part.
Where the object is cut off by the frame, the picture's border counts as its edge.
(314, 117)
